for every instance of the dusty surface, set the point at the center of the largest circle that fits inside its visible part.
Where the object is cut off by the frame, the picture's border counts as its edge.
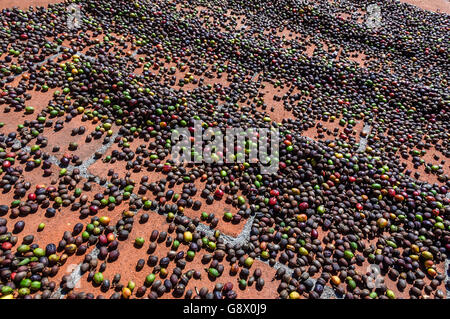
(24, 5)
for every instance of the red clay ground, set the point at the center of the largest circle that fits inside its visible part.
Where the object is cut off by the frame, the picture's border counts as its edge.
(442, 6)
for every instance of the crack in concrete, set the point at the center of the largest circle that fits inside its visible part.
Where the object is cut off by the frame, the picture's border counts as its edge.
(84, 167)
(242, 238)
(76, 274)
(447, 280)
